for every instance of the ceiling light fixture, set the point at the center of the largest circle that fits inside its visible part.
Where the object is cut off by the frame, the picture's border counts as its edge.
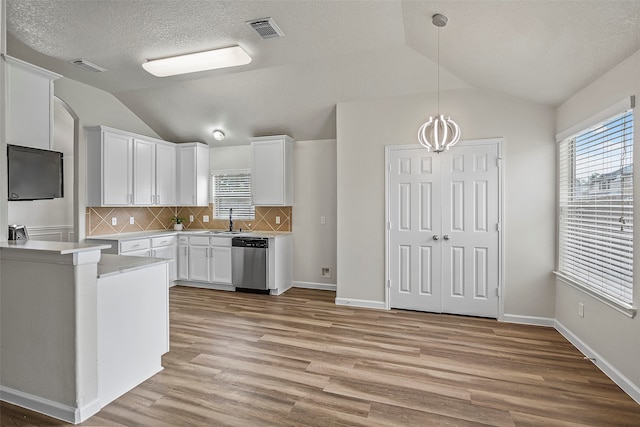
(439, 133)
(201, 61)
(218, 135)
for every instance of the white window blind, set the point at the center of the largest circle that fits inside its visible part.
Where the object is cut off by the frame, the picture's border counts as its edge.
(232, 189)
(596, 208)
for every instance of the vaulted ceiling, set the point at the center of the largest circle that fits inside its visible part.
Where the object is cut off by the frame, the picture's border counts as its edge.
(332, 51)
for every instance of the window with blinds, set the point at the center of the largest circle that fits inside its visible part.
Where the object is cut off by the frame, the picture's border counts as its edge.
(232, 189)
(596, 209)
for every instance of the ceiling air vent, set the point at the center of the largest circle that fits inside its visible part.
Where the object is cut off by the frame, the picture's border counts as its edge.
(87, 66)
(266, 28)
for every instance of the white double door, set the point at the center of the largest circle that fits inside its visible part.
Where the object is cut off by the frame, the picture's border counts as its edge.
(443, 241)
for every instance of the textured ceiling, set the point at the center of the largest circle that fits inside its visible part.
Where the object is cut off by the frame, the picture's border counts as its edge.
(333, 51)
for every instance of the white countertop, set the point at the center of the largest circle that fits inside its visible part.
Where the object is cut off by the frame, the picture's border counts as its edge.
(157, 233)
(62, 248)
(115, 264)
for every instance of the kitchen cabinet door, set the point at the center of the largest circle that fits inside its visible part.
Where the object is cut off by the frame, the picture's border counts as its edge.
(220, 264)
(168, 252)
(183, 262)
(199, 263)
(272, 171)
(144, 172)
(193, 174)
(165, 185)
(117, 167)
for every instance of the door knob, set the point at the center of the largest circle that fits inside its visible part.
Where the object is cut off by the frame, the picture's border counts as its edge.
(436, 237)
(446, 237)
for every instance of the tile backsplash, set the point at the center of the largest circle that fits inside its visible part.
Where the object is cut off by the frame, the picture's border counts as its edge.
(99, 220)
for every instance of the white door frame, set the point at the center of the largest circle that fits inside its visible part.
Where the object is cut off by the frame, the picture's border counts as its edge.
(387, 271)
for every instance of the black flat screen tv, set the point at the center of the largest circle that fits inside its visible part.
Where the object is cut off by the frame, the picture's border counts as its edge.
(34, 174)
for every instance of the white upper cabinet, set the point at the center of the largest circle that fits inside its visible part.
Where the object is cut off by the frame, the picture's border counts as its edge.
(165, 185)
(111, 154)
(29, 97)
(144, 172)
(193, 174)
(125, 169)
(272, 170)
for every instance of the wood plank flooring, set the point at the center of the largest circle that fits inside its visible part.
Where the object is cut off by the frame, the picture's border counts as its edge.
(299, 360)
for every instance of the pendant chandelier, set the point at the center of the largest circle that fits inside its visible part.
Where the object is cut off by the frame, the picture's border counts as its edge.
(439, 133)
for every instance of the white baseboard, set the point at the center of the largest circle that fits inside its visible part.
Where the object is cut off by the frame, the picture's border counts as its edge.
(623, 382)
(363, 303)
(315, 285)
(49, 407)
(528, 320)
(280, 291)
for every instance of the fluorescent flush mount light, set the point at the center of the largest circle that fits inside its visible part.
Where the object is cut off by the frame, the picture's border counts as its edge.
(218, 135)
(201, 61)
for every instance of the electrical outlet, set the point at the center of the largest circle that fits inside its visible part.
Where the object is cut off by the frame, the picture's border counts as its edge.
(323, 220)
(114, 221)
(190, 218)
(132, 220)
(277, 220)
(205, 218)
(580, 309)
(326, 272)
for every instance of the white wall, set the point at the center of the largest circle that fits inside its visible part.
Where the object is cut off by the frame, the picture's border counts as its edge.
(93, 107)
(610, 335)
(365, 127)
(51, 216)
(3, 127)
(233, 157)
(314, 196)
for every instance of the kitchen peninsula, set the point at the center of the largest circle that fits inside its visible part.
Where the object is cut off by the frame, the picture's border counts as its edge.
(73, 337)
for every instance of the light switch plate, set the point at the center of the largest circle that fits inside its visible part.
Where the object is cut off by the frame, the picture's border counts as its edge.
(114, 221)
(190, 218)
(132, 220)
(277, 220)
(323, 220)
(205, 218)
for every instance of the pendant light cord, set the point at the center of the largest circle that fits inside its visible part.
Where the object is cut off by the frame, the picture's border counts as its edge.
(438, 72)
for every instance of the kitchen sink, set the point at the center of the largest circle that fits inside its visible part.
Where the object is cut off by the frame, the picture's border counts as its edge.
(225, 232)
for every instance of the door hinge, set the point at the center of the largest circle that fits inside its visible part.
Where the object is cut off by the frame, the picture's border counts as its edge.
(498, 227)
(499, 161)
(389, 167)
(388, 283)
(388, 225)
(498, 292)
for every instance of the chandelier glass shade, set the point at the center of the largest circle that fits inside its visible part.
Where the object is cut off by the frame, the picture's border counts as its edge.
(439, 133)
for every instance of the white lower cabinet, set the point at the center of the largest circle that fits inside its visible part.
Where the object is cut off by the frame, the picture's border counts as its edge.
(183, 257)
(209, 259)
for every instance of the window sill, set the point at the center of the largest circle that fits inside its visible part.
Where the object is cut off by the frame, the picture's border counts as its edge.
(627, 310)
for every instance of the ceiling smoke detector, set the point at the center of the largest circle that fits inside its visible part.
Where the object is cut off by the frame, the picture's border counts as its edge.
(87, 66)
(266, 28)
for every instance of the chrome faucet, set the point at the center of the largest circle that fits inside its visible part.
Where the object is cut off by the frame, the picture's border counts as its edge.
(230, 220)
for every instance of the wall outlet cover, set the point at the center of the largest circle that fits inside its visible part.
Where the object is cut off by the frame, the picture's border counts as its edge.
(132, 220)
(326, 272)
(114, 221)
(205, 218)
(190, 218)
(277, 220)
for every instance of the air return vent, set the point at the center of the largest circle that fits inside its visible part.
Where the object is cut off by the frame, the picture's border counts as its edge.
(266, 28)
(87, 66)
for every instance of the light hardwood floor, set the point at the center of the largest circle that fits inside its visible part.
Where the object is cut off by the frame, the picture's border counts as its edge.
(299, 360)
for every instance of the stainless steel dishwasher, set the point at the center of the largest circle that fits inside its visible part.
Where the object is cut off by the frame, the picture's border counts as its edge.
(249, 264)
